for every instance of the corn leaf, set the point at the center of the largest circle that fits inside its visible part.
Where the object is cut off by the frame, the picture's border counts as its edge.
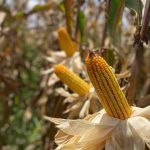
(81, 21)
(115, 15)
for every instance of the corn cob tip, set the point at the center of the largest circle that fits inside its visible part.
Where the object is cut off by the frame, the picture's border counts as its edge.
(95, 52)
(59, 68)
(92, 53)
(61, 30)
(95, 58)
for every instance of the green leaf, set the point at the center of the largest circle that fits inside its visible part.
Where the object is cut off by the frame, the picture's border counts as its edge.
(109, 56)
(81, 21)
(62, 7)
(115, 15)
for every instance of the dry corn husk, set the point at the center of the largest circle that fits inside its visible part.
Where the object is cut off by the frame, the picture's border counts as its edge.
(73, 62)
(100, 130)
(79, 106)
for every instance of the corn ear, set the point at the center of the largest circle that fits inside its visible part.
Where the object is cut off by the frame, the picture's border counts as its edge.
(66, 43)
(74, 82)
(107, 87)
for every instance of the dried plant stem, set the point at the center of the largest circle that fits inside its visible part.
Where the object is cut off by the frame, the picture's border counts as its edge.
(24, 15)
(143, 102)
(145, 21)
(77, 21)
(68, 15)
(138, 61)
(106, 22)
(135, 72)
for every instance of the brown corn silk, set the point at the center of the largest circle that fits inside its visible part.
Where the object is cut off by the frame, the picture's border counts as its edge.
(73, 81)
(107, 87)
(66, 43)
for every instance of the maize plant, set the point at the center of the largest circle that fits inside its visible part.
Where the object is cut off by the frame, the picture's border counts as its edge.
(66, 43)
(74, 82)
(107, 87)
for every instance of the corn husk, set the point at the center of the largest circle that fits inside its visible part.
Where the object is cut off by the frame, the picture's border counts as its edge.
(79, 106)
(100, 130)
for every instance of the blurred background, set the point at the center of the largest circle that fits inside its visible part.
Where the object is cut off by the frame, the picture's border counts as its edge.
(28, 33)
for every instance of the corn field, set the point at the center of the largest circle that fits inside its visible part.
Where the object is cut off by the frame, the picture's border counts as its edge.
(74, 75)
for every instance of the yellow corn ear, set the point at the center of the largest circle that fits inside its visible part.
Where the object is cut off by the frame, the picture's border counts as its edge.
(107, 87)
(66, 43)
(74, 82)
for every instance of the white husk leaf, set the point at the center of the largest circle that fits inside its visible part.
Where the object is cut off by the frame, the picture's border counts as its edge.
(63, 92)
(100, 130)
